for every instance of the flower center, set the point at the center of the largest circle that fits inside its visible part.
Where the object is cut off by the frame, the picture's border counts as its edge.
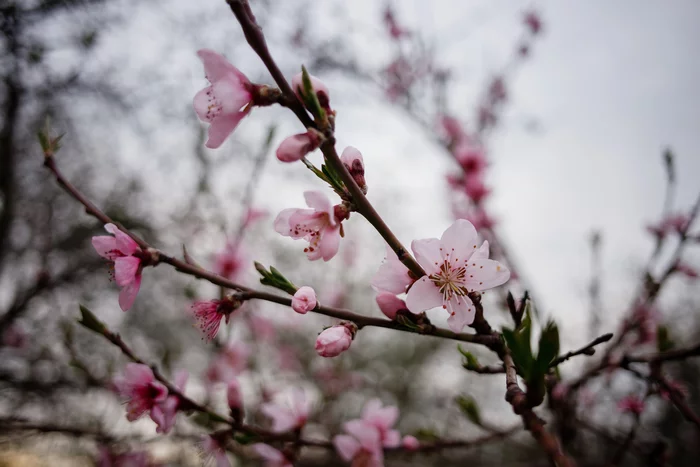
(450, 280)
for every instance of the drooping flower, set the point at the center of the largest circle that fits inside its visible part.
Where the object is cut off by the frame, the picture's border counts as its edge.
(333, 341)
(631, 404)
(295, 147)
(214, 450)
(229, 363)
(271, 457)
(128, 260)
(230, 262)
(390, 304)
(209, 314)
(317, 225)
(454, 266)
(392, 276)
(223, 104)
(318, 88)
(286, 417)
(304, 300)
(141, 389)
(164, 413)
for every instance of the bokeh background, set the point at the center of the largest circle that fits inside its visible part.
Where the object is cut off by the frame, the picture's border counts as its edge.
(605, 89)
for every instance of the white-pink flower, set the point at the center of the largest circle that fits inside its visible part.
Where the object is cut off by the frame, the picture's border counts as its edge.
(392, 276)
(454, 266)
(304, 299)
(285, 416)
(127, 257)
(141, 389)
(333, 341)
(271, 457)
(223, 104)
(164, 413)
(317, 225)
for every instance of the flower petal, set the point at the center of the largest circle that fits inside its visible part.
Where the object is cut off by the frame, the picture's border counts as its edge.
(125, 244)
(105, 246)
(392, 439)
(347, 446)
(459, 241)
(423, 295)
(201, 105)
(215, 65)
(268, 453)
(129, 292)
(281, 224)
(222, 127)
(486, 273)
(125, 269)
(427, 252)
(330, 242)
(482, 252)
(461, 313)
(392, 276)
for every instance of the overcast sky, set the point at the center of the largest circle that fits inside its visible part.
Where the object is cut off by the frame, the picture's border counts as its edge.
(609, 85)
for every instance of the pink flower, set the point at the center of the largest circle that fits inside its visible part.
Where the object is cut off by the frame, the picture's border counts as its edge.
(392, 276)
(223, 104)
(228, 364)
(452, 129)
(631, 404)
(215, 450)
(286, 417)
(390, 304)
(317, 225)
(533, 22)
(454, 267)
(392, 26)
(410, 443)
(294, 148)
(233, 395)
(352, 160)
(471, 158)
(381, 418)
(271, 456)
(474, 187)
(209, 314)
(333, 341)
(318, 87)
(262, 328)
(127, 257)
(362, 445)
(230, 262)
(164, 413)
(304, 300)
(142, 390)
(686, 270)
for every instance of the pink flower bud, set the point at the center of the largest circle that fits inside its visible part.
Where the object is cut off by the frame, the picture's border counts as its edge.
(233, 395)
(304, 300)
(333, 341)
(410, 443)
(319, 88)
(352, 160)
(295, 147)
(390, 304)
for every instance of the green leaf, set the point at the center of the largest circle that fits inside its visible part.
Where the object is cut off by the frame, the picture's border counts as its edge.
(470, 360)
(88, 320)
(309, 96)
(664, 341)
(548, 348)
(469, 408)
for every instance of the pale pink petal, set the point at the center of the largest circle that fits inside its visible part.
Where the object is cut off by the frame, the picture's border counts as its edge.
(105, 246)
(283, 419)
(385, 417)
(371, 407)
(268, 453)
(427, 252)
(129, 292)
(180, 379)
(392, 276)
(482, 252)
(231, 95)
(423, 295)
(201, 105)
(390, 304)
(319, 202)
(368, 436)
(462, 313)
(392, 439)
(125, 270)
(330, 243)
(222, 459)
(347, 446)
(125, 244)
(459, 241)
(487, 274)
(222, 127)
(282, 221)
(216, 66)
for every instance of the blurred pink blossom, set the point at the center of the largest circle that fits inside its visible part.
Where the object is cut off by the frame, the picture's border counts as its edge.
(471, 158)
(392, 276)
(229, 363)
(474, 187)
(214, 450)
(107, 458)
(317, 225)
(271, 457)
(234, 398)
(230, 262)
(164, 413)
(452, 129)
(262, 328)
(286, 417)
(223, 104)
(141, 389)
(631, 404)
(454, 266)
(410, 443)
(252, 215)
(533, 22)
(127, 258)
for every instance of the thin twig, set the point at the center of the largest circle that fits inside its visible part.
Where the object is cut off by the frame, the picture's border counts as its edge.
(587, 350)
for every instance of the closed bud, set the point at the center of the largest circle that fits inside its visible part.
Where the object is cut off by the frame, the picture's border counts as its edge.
(295, 147)
(352, 160)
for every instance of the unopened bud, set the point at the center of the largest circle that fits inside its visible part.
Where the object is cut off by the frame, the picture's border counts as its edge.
(293, 148)
(317, 85)
(352, 160)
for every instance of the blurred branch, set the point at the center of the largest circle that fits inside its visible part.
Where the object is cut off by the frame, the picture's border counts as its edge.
(586, 350)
